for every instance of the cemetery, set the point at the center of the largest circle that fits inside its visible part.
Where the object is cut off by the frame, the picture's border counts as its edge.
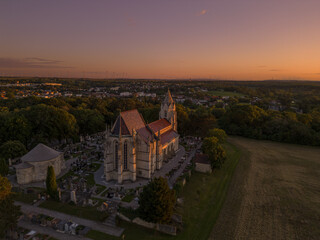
(82, 196)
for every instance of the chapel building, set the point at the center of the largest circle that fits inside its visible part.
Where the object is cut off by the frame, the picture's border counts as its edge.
(34, 165)
(134, 148)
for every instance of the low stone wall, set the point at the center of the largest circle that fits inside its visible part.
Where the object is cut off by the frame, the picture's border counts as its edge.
(204, 168)
(123, 217)
(164, 228)
(143, 223)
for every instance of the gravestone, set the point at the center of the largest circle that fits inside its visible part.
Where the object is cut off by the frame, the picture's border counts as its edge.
(59, 194)
(73, 196)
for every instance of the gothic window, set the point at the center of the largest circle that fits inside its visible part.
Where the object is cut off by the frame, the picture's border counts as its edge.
(165, 113)
(125, 157)
(116, 155)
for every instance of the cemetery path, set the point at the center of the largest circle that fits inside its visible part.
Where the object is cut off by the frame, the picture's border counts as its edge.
(114, 231)
(178, 173)
(49, 231)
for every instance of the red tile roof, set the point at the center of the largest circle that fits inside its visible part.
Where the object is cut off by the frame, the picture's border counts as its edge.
(159, 125)
(168, 136)
(129, 120)
(145, 134)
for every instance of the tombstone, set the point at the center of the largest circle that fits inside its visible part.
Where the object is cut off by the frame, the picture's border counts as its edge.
(73, 196)
(10, 162)
(59, 194)
(90, 202)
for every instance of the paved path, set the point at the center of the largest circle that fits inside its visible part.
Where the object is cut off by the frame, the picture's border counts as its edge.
(178, 173)
(115, 231)
(49, 231)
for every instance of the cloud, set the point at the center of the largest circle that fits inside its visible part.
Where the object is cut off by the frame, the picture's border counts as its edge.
(203, 12)
(30, 63)
(262, 66)
(275, 70)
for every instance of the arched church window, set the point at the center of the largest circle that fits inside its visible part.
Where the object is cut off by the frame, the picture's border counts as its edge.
(165, 113)
(125, 157)
(116, 155)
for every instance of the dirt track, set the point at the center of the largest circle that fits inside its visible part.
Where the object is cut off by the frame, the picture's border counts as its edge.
(274, 194)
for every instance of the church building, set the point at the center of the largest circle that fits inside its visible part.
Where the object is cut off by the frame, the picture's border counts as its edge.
(136, 149)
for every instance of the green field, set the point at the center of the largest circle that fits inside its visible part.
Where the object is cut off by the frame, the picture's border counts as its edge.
(225, 93)
(203, 198)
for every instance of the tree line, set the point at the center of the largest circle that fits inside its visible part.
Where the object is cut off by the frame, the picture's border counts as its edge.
(32, 120)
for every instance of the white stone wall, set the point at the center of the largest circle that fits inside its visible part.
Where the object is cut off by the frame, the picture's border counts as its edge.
(120, 174)
(24, 176)
(39, 170)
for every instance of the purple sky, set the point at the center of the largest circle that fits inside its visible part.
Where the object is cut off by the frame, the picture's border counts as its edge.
(224, 39)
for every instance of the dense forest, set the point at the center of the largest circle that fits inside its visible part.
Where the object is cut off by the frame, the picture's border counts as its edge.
(32, 120)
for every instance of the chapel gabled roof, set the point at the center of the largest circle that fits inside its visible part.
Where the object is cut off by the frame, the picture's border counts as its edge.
(40, 153)
(128, 121)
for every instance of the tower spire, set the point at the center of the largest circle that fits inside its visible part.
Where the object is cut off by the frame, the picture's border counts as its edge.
(120, 134)
(168, 99)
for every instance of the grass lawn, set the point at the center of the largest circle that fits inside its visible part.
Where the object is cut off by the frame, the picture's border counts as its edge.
(226, 93)
(100, 188)
(96, 235)
(203, 198)
(26, 197)
(95, 167)
(90, 179)
(83, 212)
(128, 198)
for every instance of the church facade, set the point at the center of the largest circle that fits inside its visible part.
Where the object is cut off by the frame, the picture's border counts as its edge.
(134, 149)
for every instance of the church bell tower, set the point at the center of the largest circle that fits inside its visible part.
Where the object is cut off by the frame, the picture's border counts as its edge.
(168, 111)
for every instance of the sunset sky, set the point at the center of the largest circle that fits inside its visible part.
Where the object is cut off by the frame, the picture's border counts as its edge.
(217, 39)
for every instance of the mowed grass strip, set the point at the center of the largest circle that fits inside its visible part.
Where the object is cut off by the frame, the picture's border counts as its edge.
(203, 198)
(83, 212)
(96, 235)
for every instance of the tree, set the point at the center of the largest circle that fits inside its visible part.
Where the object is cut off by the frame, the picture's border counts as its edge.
(218, 112)
(9, 213)
(4, 168)
(5, 188)
(51, 183)
(12, 149)
(89, 121)
(157, 201)
(216, 152)
(50, 122)
(218, 133)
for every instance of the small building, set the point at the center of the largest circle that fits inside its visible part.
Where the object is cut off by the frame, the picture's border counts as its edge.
(202, 163)
(34, 165)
